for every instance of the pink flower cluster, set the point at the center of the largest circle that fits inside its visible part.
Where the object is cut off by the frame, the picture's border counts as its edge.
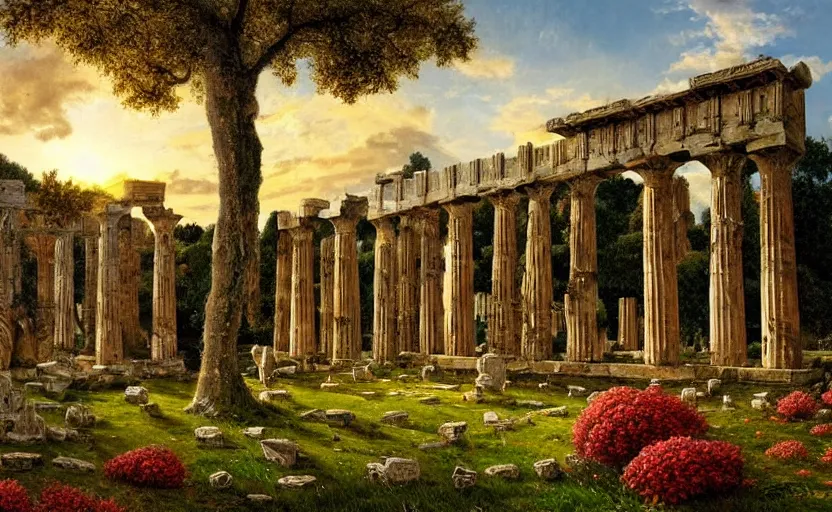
(621, 421)
(13, 497)
(827, 457)
(826, 398)
(152, 466)
(788, 450)
(823, 429)
(797, 406)
(55, 498)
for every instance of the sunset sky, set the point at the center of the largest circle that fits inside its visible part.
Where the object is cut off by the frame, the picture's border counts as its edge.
(537, 59)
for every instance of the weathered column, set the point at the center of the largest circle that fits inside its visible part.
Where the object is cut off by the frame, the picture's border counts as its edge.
(459, 281)
(431, 311)
(163, 339)
(327, 298)
(780, 320)
(7, 291)
(346, 303)
(502, 328)
(407, 255)
(302, 314)
(130, 238)
(64, 328)
(683, 218)
(283, 293)
(385, 344)
(90, 292)
(661, 301)
(109, 346)
(43, 247)
(627, 323)
(536, 289)
(581, 300)
(727, 298)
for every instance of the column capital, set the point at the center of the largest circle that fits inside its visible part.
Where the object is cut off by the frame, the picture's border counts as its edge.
(459, 209)
(344, 225)
(774, 159)
(507, 200)
(301, 233)
(657, 172)
(540, 191)
(112, 214)
(384, 229)
(723, 163)
(162, 219)
(585, 185)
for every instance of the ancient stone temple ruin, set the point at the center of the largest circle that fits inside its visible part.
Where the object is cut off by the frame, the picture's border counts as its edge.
(424, 294)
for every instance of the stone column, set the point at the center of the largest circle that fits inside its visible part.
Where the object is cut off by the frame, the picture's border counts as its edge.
(43, 246)
(459, 281)
(163, 339)
(778, 266)
(109, 346)
(627, 323)
(327, 298)
(283, 293)
(302, 313)
(727, 298)
(130, 277)
(407, 254)
(7, 290)
(385, 344)
(90, 292)
(661, 301)
(64, 329)
(502, 327)
(581, 300)
(536, 289)
(346, 302)
(431, 311)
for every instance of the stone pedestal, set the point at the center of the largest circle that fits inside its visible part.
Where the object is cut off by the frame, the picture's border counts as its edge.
(536, 289)
(346, 303)
(458, 289)
(661, 301)
(163, 339)
(502, 326)
(283, 294)
(581, 301)
(627, 323)
(302, 314)
(385, 344)
(778, 267)
(90, 292)
(727, 299)
(407, 255)
(431, 311)
(109, 347)
(43, 247)
(64, 330)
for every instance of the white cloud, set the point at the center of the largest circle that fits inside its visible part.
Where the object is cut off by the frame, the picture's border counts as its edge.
(818, 67)
(487, 67)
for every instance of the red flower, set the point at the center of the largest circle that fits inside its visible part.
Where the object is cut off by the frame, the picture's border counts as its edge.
(788, 450)
(681, 468)
(797, 406)
(621, 421)
(823, 429)
(826, 398)
(805, 473)
(827, 457)
(152, 466)
(13, 497)
(63, 498)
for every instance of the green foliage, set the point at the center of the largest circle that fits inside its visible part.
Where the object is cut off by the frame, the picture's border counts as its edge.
(755, 350)
(418, 162)
(188, 234)
(268, 268)
(13, 171)
(62, 202)
(694, 312)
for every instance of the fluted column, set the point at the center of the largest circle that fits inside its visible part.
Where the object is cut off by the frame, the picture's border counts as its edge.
(64, 328)
(536, 289)
(43, 246)
(407, 254)
(109, 345)
(327, 291)
(661, 300)
(780, 320)
(431, 312)
(627, 323)
(7, 291)
(130, 277)
(283, 293)
(581, 300)
(346, 303)
(459, 281)
(727, 298)
(89, 304)
(384, 293)
(302, 314)
(163, 340)
(502, 325)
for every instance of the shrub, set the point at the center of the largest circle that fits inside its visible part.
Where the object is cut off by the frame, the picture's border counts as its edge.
(827, 457)
(787, 450)
(623, 420)
(152, 466)
(826, 398)
(797, 406)
(681, 468)
(13, 497)
(823, 429)
(63, 498)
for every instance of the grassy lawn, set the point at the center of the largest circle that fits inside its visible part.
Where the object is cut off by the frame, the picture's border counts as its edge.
(340, 465)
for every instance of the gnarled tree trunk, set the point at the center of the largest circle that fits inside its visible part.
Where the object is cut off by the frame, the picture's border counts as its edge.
(232, 109)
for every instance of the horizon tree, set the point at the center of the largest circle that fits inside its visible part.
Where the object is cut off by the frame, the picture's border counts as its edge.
(220, 47)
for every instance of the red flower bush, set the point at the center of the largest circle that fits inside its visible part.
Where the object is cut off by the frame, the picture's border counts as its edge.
(787, 450)
(63, 498)
(827, 457)
(152, 466)
(797, 406)
(681, 468)
(13, 497)
(823, 429)
(826, 398)
(623, 420)
(803, 473)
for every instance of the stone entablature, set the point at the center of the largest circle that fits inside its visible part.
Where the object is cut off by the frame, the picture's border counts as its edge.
(12, 194)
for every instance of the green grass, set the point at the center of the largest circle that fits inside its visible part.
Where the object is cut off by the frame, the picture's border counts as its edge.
(341, 485)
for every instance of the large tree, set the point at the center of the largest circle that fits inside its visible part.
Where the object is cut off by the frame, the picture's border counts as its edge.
(220, 47)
